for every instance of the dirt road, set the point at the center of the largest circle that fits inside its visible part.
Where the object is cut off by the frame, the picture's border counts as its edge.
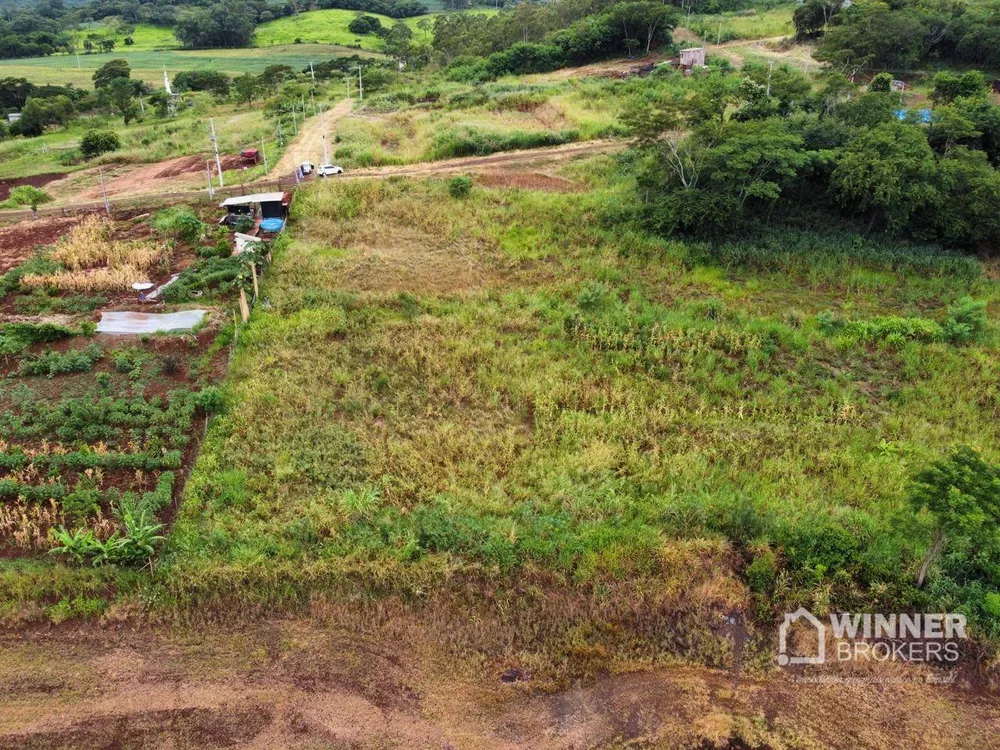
(308, 145)
(511, 163)
(504, 159)
(301, 683)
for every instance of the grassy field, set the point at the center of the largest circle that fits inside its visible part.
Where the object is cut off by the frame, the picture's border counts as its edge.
(152, 140)
(145, 38)
(429, 119)
(148, 65)
(749, 25)
(318, 26)
(499, 386)
(330, 27)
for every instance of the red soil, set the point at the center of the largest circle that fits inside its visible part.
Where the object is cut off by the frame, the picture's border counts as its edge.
(18, 242)
(37, 180)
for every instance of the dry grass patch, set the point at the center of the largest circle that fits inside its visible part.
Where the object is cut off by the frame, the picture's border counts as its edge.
(94, 261)
(382, 240)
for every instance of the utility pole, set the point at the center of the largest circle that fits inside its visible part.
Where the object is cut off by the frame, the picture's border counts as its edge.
(104, 193)
(295, 125)
(769, 69)
(313, 100)
(208, 171)
(312, 72)
(718, 40)
(361, 86)
(77, 60)
(215, 145)
(263, 153)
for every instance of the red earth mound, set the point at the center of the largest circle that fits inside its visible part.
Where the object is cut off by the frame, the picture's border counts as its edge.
(18, 242)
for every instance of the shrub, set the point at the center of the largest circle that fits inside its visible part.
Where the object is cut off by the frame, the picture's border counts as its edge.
(52, 363)
(460, 187)
(365, 24)
(27, 195)
(467, 141)
(210, 400)
(243, 224)
(97, 142)
(181, 222)
(762, 572)
(966, 321)
(171, 364)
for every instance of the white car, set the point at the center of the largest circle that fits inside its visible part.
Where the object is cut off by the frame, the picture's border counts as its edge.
(325, 170)
(307, 167)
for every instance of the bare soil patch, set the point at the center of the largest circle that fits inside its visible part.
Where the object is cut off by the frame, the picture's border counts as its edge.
(18, 242)
(391, 682)
(147, 178)
(526, 181)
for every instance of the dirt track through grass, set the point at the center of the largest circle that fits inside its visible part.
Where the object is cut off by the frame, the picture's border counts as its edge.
(308, 144)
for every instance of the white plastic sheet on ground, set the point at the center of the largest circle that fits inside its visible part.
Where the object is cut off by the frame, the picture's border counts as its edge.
(136, 322)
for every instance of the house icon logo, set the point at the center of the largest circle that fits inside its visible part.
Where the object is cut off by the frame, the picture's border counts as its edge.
(801, 613)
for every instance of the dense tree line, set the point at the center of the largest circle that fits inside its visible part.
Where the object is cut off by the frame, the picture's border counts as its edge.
(536, 38)
(763, 147)
(872, 34)
(45, 29)
(391, 8)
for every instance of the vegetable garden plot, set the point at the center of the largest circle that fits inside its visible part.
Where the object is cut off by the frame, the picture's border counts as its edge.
(97, 431)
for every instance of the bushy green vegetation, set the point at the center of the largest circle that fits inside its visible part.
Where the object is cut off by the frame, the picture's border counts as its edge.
(746, 24)
(26, 196)
(321, 27)
(876, 35)
(538, 38)
(724, 152)
(97, 142)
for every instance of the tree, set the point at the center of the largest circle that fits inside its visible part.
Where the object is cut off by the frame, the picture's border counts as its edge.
(788, 85)
(951, 128)
(229, 24)
(365, 24)
(246, 88)
(947, 87)
(202, 80)
(14, 92)
(713, 178)
(649, 22)
(118, 68)
(33, 118)
(886, 172)
(397, 40)
(119, 96)
(962, 493)
(969, 191)
(869, 33)
(881, 83)
(274, 75)
(811, 18)
(37, 113)
(755, 104)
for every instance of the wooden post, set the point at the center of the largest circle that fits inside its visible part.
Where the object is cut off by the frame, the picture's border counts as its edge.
(244, 307)
(256, 288)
